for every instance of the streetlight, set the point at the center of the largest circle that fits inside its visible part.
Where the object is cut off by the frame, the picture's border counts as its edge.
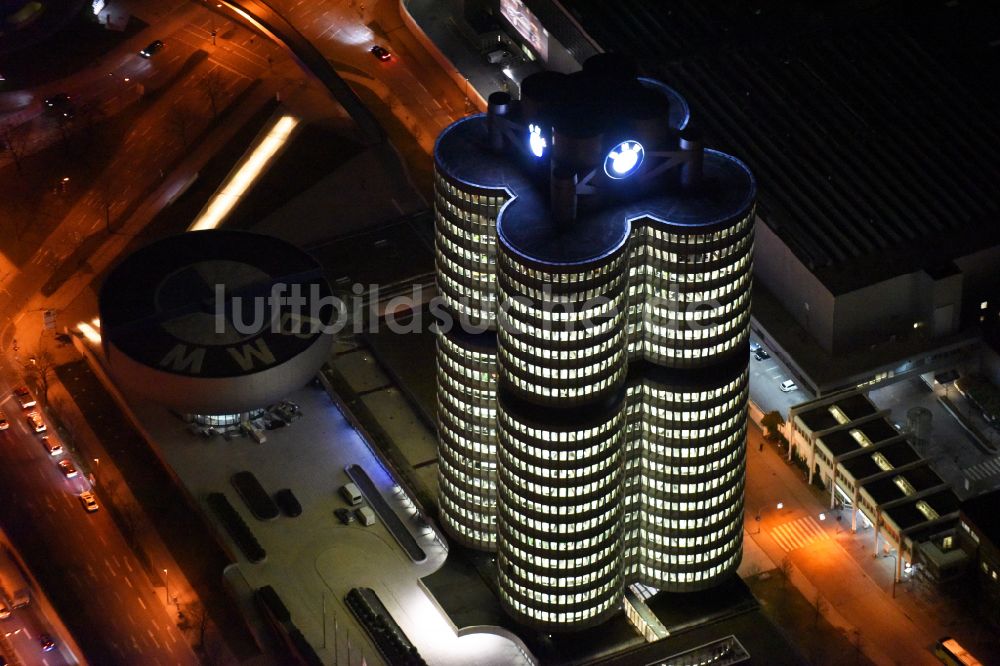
(822, 516)
(166, 586)
(781, 505)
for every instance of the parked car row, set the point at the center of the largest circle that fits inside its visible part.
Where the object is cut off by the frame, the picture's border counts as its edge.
(758, 352)
(51, 445)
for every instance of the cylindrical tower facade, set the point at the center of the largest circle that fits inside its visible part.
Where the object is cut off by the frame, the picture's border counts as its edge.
(466, 392)
(465, 250)
(562, 356)
(595, 434)
(689, 319)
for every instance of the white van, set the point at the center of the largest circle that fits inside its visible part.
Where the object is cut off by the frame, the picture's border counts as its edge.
(788, 385)
(351, 494)
(365, 516)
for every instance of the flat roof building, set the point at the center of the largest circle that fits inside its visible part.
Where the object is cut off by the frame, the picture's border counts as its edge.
(878, 231)
(594, 260)
(871, 467)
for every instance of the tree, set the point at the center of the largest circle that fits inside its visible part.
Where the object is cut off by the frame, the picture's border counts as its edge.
(785, 569)
(194, 620)
(819, 605)
(214, 88)
(14, 140)
(181, 118)
(105, 188)
(39, 369)
(771, 422)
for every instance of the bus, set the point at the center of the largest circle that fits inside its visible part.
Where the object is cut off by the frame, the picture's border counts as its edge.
(950, 652)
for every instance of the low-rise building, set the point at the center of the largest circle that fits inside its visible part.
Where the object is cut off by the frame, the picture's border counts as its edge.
(980, 537)
(857, 453)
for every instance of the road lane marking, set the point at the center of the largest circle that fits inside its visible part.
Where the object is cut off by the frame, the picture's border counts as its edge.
(142, 603)
(155, 642)
(798, 533)
(983, 470)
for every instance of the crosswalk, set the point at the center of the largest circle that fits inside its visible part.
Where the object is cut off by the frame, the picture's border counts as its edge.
(984, 469)
(798, 533)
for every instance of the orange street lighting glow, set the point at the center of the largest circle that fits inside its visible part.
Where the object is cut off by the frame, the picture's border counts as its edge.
(245, 176)
(89, 332)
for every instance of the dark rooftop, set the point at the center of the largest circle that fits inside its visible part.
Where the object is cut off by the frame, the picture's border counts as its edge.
(886, 490)
(854, 406)
(898, 454)
(984, 513)
(870, 125)
(464, 588)
(907, 515)
(526, 226)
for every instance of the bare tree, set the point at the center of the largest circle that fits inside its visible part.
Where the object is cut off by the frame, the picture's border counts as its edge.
(131, 522)
(14, 140)
(39, 369)
(819, 605)
(181, 118)
(214, 88)
(195, 621)
(785, 569)
(105, 188)
(856, 641)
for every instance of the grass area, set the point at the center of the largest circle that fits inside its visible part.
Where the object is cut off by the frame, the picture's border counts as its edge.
(78, 44)
(77, 261)
(176, 217)
(802, 619)
(31, 201)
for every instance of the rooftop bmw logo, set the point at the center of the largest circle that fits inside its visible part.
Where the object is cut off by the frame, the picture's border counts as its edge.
(623, 159)
(536, 142)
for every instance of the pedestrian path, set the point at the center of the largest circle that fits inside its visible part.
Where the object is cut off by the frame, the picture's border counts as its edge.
(798, 533)
(984, 469)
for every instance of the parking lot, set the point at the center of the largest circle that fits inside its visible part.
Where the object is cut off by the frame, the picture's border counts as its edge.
(766, 376)
(313, 560)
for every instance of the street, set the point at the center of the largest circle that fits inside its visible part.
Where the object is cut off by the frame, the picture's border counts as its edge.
(831, 560)
(80, 558)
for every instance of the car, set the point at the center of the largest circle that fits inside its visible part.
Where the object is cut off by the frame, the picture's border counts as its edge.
(34, 420)
(761, 355)
(351, 493)
(67, 468)
(754, 346)
(153, 47)
(4, 607)
(345, 516)
(380, 52)
(3, 422)
(48, 645)
(365, 516)
(788, 385)
(60, 104)
(89, 501)
(24, 397)
(289, 504)
(54, 448)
